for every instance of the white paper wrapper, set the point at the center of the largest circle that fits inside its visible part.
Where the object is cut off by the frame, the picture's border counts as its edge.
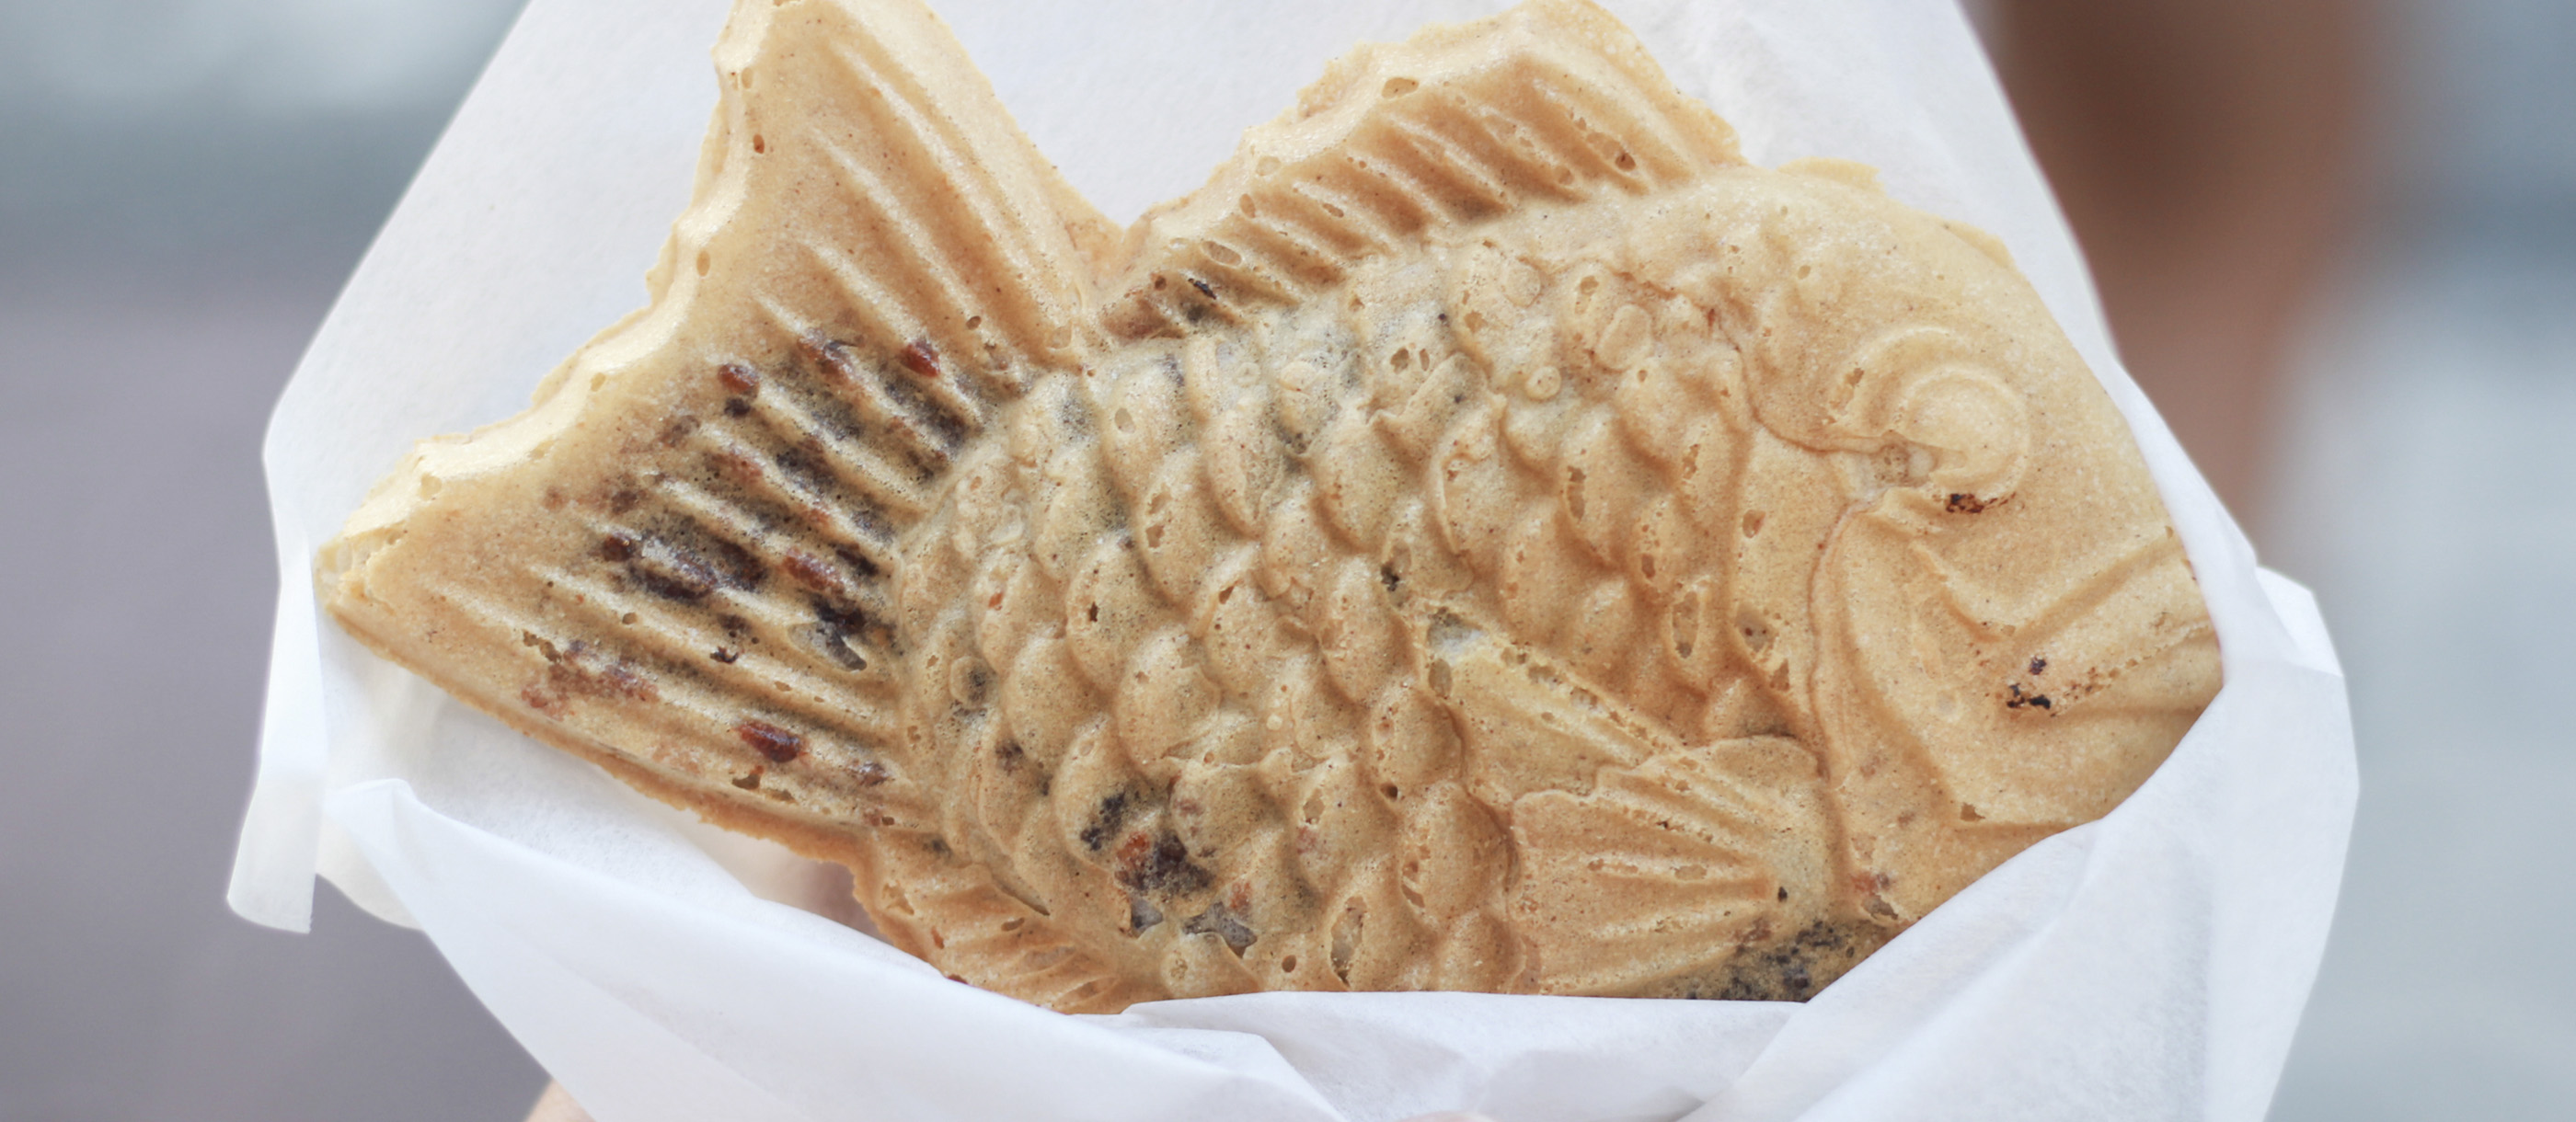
(2150, 965)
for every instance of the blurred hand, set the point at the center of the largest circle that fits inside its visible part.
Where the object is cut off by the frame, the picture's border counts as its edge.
(557, 1106)
(2206, 152)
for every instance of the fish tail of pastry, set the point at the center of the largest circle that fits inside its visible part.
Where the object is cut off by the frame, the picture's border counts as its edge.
(685, 562)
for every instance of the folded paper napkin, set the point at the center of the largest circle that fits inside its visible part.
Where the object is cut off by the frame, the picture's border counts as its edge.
(2150, 964)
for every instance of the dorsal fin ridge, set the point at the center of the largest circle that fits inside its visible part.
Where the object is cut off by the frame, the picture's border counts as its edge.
(866, 177)
(1552, 100)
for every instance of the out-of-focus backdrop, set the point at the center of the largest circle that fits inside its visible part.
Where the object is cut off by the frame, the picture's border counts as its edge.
(2338, 240)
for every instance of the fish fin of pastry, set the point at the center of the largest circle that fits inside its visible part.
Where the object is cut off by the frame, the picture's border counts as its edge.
(1550, 101)
(1703, 871)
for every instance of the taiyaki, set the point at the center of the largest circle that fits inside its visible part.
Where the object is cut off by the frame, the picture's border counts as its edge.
(1489, 537)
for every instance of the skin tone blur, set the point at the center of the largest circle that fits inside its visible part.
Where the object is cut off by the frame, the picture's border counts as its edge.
(2208, 154)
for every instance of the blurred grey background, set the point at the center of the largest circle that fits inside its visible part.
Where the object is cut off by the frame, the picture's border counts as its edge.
(184, 184)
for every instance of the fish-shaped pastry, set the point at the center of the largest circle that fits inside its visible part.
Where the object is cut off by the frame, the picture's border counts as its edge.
(1490, 537)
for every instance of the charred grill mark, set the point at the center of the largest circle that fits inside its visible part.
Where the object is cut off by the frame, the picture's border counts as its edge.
(814, 573)
(883, 405)
(761, 504)
(937, 420)
(702, 653)
(859, 563)
(680, 559)
(811, 415)
(671, 573)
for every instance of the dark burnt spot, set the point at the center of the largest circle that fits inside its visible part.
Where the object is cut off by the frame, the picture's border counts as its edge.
(678, 430)
(921, 358)
(671, 573)
(1141, 914)
(2023, 699)
(858, 562)
(617, 546)
(1105, 821)
(737, 407)
(734, 626)
(1224, 923)
(750, 782)
(771, 741)
(871, 522)
(621, 677)
(537, 697)
(2038, 666)
(683, 562)
(733, 465)
(1009, 755)
(725, 656)
(938, 847)
(735, 566)
(578, 670)
(806, 463)
(1962, 503)
(1205, 289)
(839, 630)
(812, 572)
(739, 378)
(828, 355)
(1387, 576)
(624, 499)
(1159, 865)
(1793, 969)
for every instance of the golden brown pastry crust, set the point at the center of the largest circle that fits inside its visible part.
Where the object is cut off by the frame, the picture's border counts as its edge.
(1489, 537)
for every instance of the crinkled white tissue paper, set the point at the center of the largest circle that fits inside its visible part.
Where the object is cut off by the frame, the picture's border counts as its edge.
(2149, 965)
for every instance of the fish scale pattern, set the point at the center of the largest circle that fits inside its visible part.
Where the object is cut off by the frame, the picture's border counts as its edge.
(1237, 553)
